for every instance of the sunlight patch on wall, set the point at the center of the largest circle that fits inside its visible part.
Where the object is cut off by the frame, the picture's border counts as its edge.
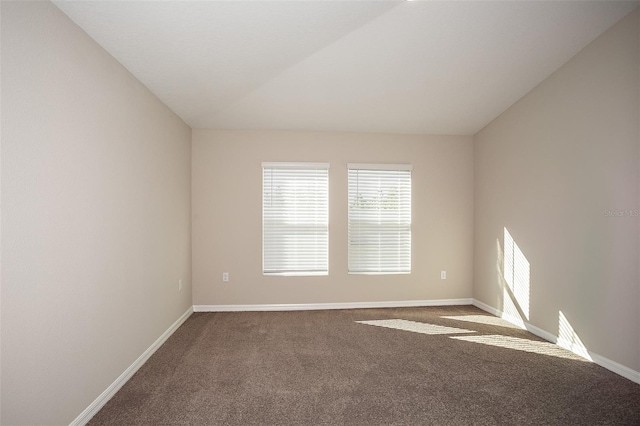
(415, 327)
(525, 345)
(483, 319)
(568, 339)
(517, 276)
(510, 310)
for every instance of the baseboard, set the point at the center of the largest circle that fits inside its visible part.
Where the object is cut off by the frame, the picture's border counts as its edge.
(327, 306)
(486, 308)
(525, 325)
(617, 368)
(610, 365)
(100, 401)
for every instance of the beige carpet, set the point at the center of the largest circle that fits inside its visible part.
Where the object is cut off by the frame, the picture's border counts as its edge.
(406, 366)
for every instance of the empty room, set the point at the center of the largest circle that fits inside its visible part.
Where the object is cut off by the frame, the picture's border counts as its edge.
(319, 212)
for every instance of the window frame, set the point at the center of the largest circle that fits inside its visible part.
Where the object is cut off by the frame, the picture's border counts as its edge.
(362, 265)
(268, 266)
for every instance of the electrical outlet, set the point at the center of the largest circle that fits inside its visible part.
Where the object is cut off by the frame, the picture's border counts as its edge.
(225, 277)
(443, 275)
(180, 285)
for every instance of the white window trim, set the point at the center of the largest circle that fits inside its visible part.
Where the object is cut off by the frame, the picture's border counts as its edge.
(268, 165)
(370, 166)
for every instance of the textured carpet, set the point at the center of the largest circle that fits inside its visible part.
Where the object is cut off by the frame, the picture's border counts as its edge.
(436, 366)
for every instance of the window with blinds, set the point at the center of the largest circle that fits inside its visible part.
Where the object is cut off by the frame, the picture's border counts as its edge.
(379, 218)
(295, 218)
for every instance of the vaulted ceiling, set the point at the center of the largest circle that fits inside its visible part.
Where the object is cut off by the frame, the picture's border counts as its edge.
(360, 66)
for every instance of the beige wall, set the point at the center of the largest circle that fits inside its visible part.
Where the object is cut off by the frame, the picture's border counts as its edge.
(227, 216)
(95, 217)
(548, 169)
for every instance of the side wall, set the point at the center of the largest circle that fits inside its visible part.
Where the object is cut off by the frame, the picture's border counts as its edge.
(227, 216)
(95, 217)
(560, 171)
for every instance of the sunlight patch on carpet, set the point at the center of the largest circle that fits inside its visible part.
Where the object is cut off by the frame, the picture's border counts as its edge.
(483, 319)
(415, 327)
(525, 345)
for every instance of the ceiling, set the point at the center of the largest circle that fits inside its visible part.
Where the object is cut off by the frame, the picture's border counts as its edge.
(423, 67)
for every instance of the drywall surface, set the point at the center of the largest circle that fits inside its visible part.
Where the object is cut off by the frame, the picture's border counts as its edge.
(559, 171)
(95, 217)
(227, 216)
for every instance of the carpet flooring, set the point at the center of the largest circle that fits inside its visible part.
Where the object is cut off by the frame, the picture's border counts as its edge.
(452, 365)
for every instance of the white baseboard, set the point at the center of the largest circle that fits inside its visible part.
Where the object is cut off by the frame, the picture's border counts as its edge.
(529, 327)
(326, 306)
(105, 396)
(486, 308)
(617, 368)
(610, 365)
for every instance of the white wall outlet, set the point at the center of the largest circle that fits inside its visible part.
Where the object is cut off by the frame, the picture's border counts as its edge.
(443, 275)
(180, 285)
(225, 277)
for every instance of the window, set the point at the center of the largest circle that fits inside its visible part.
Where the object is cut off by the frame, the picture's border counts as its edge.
(379, 218)
(295, 218)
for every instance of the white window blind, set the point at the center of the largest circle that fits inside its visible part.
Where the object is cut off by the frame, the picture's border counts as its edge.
(295, 218)
(379, 218)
